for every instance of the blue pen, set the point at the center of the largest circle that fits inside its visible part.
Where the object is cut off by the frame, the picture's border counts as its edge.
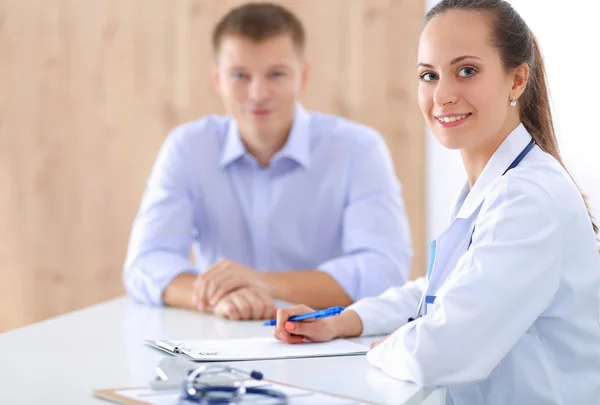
(310, 315)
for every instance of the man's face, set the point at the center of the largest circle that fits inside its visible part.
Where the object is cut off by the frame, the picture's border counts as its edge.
(260, 82)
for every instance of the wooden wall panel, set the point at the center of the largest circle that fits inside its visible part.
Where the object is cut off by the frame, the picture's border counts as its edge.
(90, 88)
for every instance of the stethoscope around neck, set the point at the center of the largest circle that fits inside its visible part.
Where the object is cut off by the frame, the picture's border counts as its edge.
(420, 307)
(424, 296)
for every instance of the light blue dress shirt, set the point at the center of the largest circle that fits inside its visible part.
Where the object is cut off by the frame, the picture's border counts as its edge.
(329, 200)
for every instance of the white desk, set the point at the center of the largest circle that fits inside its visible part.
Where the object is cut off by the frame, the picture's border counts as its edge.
(62, 360)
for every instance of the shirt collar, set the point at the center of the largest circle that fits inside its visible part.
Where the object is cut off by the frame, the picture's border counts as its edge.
(502, 158)
(297, 146)
(234, 148)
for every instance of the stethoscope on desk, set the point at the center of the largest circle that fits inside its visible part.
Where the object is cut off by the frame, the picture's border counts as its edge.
(424, 297)
(194, 391)
(212, 384)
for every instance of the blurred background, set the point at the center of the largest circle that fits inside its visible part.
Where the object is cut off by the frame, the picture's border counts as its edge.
(90, 88)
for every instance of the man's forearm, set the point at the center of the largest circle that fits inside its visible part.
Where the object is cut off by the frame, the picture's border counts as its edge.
(310, 287)
(180, 292)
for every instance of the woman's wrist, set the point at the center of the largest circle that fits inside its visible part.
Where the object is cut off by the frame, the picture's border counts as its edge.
(347, 324)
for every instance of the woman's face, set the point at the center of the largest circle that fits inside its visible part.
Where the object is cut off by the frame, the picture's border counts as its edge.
(464, 91)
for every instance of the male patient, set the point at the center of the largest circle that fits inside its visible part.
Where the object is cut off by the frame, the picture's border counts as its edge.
(279, 203)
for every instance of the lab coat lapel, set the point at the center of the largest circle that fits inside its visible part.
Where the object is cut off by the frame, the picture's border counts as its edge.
(508, 151)
(450, 246)
(454, 242)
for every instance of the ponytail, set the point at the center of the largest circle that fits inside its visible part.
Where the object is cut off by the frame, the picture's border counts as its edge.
(536, 114)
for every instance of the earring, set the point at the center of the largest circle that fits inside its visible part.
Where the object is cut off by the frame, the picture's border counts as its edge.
(513, 102)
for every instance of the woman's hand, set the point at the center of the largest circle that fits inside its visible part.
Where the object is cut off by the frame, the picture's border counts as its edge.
(344, 325)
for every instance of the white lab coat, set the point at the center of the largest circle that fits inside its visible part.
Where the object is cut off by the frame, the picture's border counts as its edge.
(516, 319)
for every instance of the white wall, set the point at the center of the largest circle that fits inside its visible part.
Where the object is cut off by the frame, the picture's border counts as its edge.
(569, 35)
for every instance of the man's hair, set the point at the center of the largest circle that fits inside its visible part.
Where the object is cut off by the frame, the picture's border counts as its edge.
(258, 22)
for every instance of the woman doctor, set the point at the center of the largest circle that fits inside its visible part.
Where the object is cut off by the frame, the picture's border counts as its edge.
(510, 305)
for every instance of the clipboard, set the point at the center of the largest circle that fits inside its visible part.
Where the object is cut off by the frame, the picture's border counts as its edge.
(122, 395)
(258, 348)
(113, 395)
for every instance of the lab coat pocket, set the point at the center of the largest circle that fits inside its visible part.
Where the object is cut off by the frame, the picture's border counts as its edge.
(476, 392)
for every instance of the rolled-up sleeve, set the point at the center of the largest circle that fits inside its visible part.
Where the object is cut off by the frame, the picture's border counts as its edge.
(161, 235)
(376, 238)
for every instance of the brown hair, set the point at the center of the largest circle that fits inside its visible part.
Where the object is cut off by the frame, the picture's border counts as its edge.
(516, 45)
(258, 22)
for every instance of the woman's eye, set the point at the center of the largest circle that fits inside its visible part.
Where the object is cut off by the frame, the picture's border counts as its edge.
(277, 74)
(239, 75)
(466, 72)
(428, 77)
